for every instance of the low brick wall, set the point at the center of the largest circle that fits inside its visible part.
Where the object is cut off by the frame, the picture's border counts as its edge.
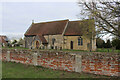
(61, 61)
(96, 63)
(17, 56)
(102, 64)
(57, 61)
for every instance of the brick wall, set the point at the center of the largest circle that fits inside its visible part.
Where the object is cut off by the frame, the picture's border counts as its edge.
(22, 56)
(95, 63)
(103, 64)
(57, 61)
(54, 60)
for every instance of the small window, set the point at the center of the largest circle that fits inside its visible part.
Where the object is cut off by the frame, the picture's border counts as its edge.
(80, 41)
(53, 41)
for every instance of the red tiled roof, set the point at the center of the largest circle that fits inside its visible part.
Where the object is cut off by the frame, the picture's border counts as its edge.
(57, 27)
(47, 28)
(77, 27)
(42, 39)
(3, 39)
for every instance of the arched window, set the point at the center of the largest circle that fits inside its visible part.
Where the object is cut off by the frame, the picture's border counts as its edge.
(80, 41)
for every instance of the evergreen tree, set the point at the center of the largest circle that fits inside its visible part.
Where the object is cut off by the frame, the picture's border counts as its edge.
(108, 44)
(116, 43)
(14, 42)
(99, 43)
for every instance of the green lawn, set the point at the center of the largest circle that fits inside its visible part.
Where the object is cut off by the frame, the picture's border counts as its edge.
(70, 50)
(98, 50)
(18, 70)
(14, 48)
(107, 50)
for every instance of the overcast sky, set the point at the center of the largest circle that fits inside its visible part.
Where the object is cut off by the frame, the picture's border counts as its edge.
(18, 16)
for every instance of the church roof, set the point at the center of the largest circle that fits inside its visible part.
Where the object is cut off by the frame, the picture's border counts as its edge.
(57, 27)
(42, 38)
(47, 28)
(78, 27)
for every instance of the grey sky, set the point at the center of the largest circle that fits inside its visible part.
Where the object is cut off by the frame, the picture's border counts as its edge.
(17, 16)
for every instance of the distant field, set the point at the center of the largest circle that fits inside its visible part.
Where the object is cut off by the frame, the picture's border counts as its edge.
(17, 70)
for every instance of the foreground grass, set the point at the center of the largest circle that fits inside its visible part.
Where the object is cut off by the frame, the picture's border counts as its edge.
(18, 70)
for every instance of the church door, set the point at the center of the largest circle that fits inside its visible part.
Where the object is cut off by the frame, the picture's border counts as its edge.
(37, 44)
(71, 45)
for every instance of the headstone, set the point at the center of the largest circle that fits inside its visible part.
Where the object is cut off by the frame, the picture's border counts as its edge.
(35, 59)
(78, 63)
(8, 55)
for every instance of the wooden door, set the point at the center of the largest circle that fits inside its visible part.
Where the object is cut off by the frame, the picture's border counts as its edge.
(37, 44)
(71, 45)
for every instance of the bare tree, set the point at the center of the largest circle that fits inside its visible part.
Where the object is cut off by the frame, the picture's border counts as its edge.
(106, 15)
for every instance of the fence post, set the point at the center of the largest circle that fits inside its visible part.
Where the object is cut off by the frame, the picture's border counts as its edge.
(35, 59)
(8, 56)
(78, 63)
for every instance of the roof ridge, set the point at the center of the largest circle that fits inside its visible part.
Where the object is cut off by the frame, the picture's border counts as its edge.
(28, 29)
(66, 26)
(81, 20)
(52, 21)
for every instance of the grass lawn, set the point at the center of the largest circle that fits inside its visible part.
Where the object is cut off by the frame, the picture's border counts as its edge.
(18, 70)
(107, 50)
(70, 50)
(14, 48)
(98, 50)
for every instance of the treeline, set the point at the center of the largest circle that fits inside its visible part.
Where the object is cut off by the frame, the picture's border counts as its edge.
(115, 43)
(16, 43)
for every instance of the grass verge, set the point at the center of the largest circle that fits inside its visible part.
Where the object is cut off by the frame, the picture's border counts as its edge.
(18, 70)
